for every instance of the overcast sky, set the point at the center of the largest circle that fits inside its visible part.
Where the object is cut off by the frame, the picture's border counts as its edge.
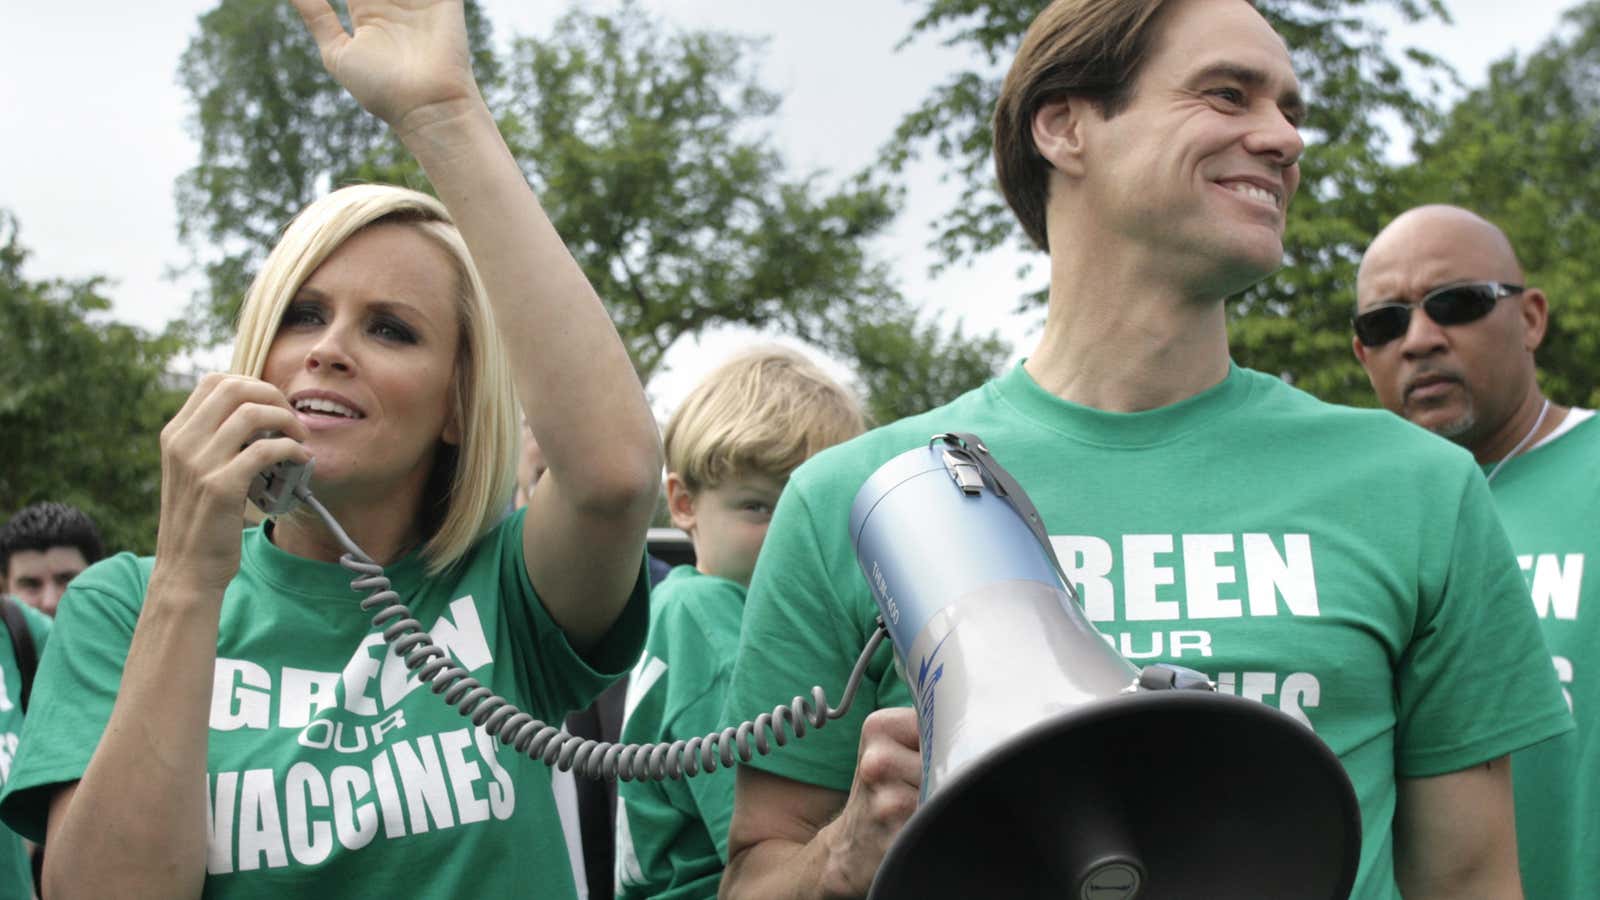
(95, 132)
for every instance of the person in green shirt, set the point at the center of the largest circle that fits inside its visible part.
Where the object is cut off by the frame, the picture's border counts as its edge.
(730, 448)
(1447, 329)
(42, 548)
(24, 641)
(223, 719)
(1337, 564)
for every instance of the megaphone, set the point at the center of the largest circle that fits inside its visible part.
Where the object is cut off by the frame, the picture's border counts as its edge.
(1051, 766)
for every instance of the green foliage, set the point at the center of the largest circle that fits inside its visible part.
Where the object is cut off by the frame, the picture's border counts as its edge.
(1297, 323)
(1521, 151)
(82, 402)
(275, 132)
(649, 148)
(649, 151)
(909, 365)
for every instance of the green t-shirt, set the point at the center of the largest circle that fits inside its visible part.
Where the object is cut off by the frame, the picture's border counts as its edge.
(1339, 564)
(672, 836)
(16, 876)
(1549, 500)
(329, 774)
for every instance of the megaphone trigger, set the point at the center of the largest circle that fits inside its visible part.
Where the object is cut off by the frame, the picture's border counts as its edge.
(1165, 677)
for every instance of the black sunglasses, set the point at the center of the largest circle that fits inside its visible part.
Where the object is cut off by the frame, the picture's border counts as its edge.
(1453, 304)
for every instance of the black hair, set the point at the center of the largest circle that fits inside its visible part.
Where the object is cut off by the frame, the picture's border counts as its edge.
(44, 525)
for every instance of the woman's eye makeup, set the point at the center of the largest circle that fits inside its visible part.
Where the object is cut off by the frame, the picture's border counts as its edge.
(384, 325)
(301, 312)
(393, 329)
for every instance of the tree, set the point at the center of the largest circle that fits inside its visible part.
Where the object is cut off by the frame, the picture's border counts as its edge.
(909, 365)
(647, 147)
(82, 402)
(1521, 151)
(1297, 323)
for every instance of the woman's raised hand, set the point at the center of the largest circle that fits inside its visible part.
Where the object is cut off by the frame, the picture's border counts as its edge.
(404, 57)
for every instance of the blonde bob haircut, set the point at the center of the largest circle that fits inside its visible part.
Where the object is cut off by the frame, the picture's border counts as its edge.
(1074, 48)
(763, 412)
(471, 484)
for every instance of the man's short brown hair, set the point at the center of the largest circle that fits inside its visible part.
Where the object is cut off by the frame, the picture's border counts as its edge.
(1075, 48)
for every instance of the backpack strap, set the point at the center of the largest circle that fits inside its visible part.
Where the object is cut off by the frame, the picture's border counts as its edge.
(22, 644)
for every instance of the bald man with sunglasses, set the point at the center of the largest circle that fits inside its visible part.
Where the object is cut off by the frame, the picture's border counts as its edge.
(1447, 331)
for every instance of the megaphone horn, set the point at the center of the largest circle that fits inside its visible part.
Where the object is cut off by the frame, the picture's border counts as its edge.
(1051, 765)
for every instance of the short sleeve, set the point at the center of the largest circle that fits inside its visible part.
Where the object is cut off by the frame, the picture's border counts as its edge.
(1475, 682)
(74, 690)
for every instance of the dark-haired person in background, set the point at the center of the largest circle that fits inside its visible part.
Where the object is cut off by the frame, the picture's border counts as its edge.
(42, 548)
(21, 641)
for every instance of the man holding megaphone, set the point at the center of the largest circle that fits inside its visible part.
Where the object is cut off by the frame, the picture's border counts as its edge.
(1209, 516)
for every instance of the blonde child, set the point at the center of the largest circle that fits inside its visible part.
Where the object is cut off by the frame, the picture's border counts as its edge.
(730, 448)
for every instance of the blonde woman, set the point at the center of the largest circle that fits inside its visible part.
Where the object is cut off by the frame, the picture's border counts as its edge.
(222, 719)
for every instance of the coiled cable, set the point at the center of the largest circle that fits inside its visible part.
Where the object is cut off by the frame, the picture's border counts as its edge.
(551, 745)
